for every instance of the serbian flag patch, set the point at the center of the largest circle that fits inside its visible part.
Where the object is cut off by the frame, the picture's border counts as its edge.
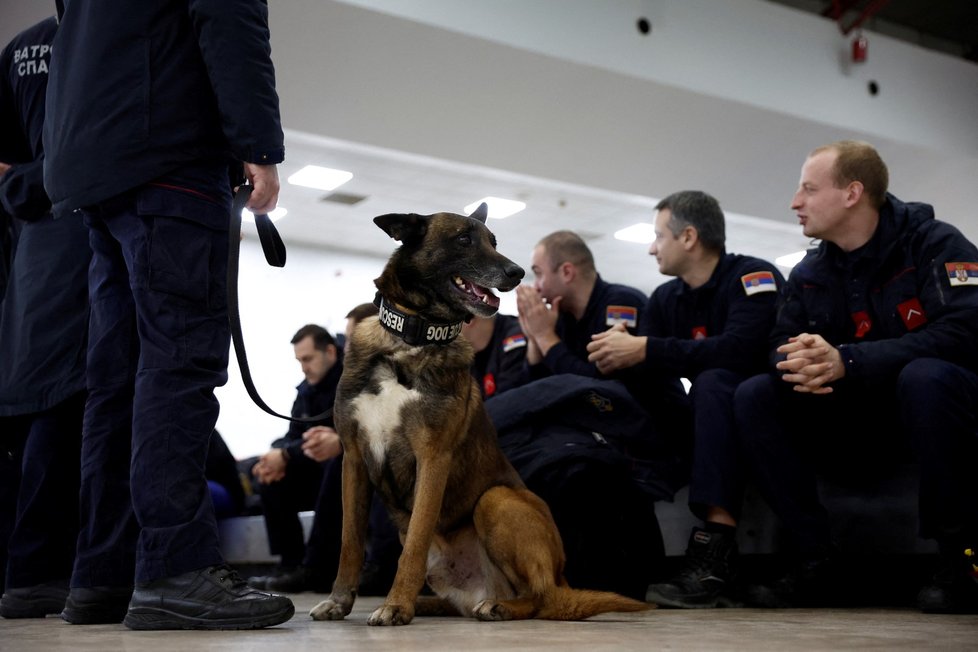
(962, 273)
(626, 315)
(912, 313)
(514, 342)
(757, 282)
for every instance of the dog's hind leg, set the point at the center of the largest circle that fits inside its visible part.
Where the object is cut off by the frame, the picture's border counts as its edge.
(356, 507)
(521, 540)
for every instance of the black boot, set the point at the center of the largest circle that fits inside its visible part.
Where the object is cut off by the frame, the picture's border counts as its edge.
(212, 598)
(809, 583)
(97, 605)
(303, 578)
(954, 588)
(706, 578)
(34, 601)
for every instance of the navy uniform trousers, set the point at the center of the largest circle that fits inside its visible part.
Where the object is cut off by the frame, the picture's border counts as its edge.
(927, 412)
(159, 341)
(40, 482)
(716, 476)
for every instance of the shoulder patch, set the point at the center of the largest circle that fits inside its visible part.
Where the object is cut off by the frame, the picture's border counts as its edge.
(757, 282)
(962, 273)
(514, 342)
(627, 315)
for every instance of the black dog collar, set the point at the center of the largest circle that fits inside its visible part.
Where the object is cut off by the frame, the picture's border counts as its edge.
(413, 329)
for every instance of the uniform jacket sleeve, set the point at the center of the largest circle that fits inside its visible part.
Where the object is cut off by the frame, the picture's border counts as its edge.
(234, 41)
(740, 346)
(560, 359)
(951, 329)
(22, 191)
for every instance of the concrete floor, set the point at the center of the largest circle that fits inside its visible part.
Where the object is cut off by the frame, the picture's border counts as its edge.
(662, 629)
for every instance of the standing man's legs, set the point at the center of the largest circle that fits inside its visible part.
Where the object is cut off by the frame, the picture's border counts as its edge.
(42, 542)
(101, 583)
(174, 267)
(176, 247)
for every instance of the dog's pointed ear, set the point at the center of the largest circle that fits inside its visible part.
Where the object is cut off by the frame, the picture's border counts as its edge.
(481, 213)
(403, 227)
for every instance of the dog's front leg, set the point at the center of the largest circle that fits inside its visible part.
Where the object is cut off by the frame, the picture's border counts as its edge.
(356, 507)
(412, 567)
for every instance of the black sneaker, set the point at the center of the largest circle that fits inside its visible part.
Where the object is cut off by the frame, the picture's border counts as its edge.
(809, 583)
(97, 605)
(954, 588)
(35, 601)
(301, 579)
(211, 598)
(260, 582)
(707, 575)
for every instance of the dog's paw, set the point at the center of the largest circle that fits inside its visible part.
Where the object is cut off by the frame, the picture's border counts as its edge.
(490, 610)
(391, 614)
(332, 608)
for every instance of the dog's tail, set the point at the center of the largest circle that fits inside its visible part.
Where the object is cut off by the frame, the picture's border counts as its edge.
(565, 603)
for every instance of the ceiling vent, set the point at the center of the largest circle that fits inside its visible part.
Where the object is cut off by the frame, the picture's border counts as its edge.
(343, 198)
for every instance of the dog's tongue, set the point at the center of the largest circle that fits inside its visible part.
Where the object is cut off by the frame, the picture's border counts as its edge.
(484, 294)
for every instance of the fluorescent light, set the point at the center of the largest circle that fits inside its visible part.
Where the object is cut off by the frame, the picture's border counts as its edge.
(275, 215)
(320, 178)
(498, 208)
(790, 260)
(642, 233)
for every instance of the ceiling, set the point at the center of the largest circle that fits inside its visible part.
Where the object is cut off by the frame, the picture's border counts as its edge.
(949, 26)
(387, 181)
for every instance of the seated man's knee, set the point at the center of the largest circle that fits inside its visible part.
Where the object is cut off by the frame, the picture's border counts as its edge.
(923, 373)
(713, 381)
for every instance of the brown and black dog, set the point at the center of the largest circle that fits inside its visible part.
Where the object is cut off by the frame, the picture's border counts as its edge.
(414, 427)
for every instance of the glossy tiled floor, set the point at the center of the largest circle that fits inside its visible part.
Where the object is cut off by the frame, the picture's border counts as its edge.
(723, 629)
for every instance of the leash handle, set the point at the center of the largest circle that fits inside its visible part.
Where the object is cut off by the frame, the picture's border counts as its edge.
(274, 249)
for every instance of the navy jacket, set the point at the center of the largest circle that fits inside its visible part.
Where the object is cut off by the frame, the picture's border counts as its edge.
(567, 419)
(23, 80)
(725, 323)
(910, 292)
(310, 400)
(569, 356)
(502, 364)
(195, 85)
(44, 315)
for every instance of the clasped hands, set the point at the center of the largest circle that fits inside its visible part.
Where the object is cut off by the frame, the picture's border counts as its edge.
(319, 443)
(811, 364)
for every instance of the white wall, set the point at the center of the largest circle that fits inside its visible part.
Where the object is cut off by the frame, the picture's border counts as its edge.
(315, 286)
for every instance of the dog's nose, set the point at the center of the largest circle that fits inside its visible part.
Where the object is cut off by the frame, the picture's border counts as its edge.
(514, 271)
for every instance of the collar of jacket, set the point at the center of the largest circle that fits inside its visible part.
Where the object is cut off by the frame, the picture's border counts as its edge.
(414, 329)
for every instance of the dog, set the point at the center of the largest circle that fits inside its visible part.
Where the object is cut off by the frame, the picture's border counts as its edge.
(413, 427)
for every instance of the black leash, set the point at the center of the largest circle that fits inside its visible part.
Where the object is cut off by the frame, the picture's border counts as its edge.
(274, 250)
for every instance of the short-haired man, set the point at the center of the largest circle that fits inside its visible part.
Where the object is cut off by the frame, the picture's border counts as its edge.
(710, 324)
(877, 353)
(569, 302)
(290, 475)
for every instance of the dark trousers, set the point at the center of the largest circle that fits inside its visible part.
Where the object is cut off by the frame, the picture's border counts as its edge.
(861, 430)
(717, 470)
(41, 476)
(281, 503)
(323, 547)
(158, 347)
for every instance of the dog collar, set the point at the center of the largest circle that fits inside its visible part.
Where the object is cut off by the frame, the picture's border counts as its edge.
(414, 329)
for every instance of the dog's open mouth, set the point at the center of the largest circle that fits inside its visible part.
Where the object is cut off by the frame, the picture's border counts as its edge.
(476, 292)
